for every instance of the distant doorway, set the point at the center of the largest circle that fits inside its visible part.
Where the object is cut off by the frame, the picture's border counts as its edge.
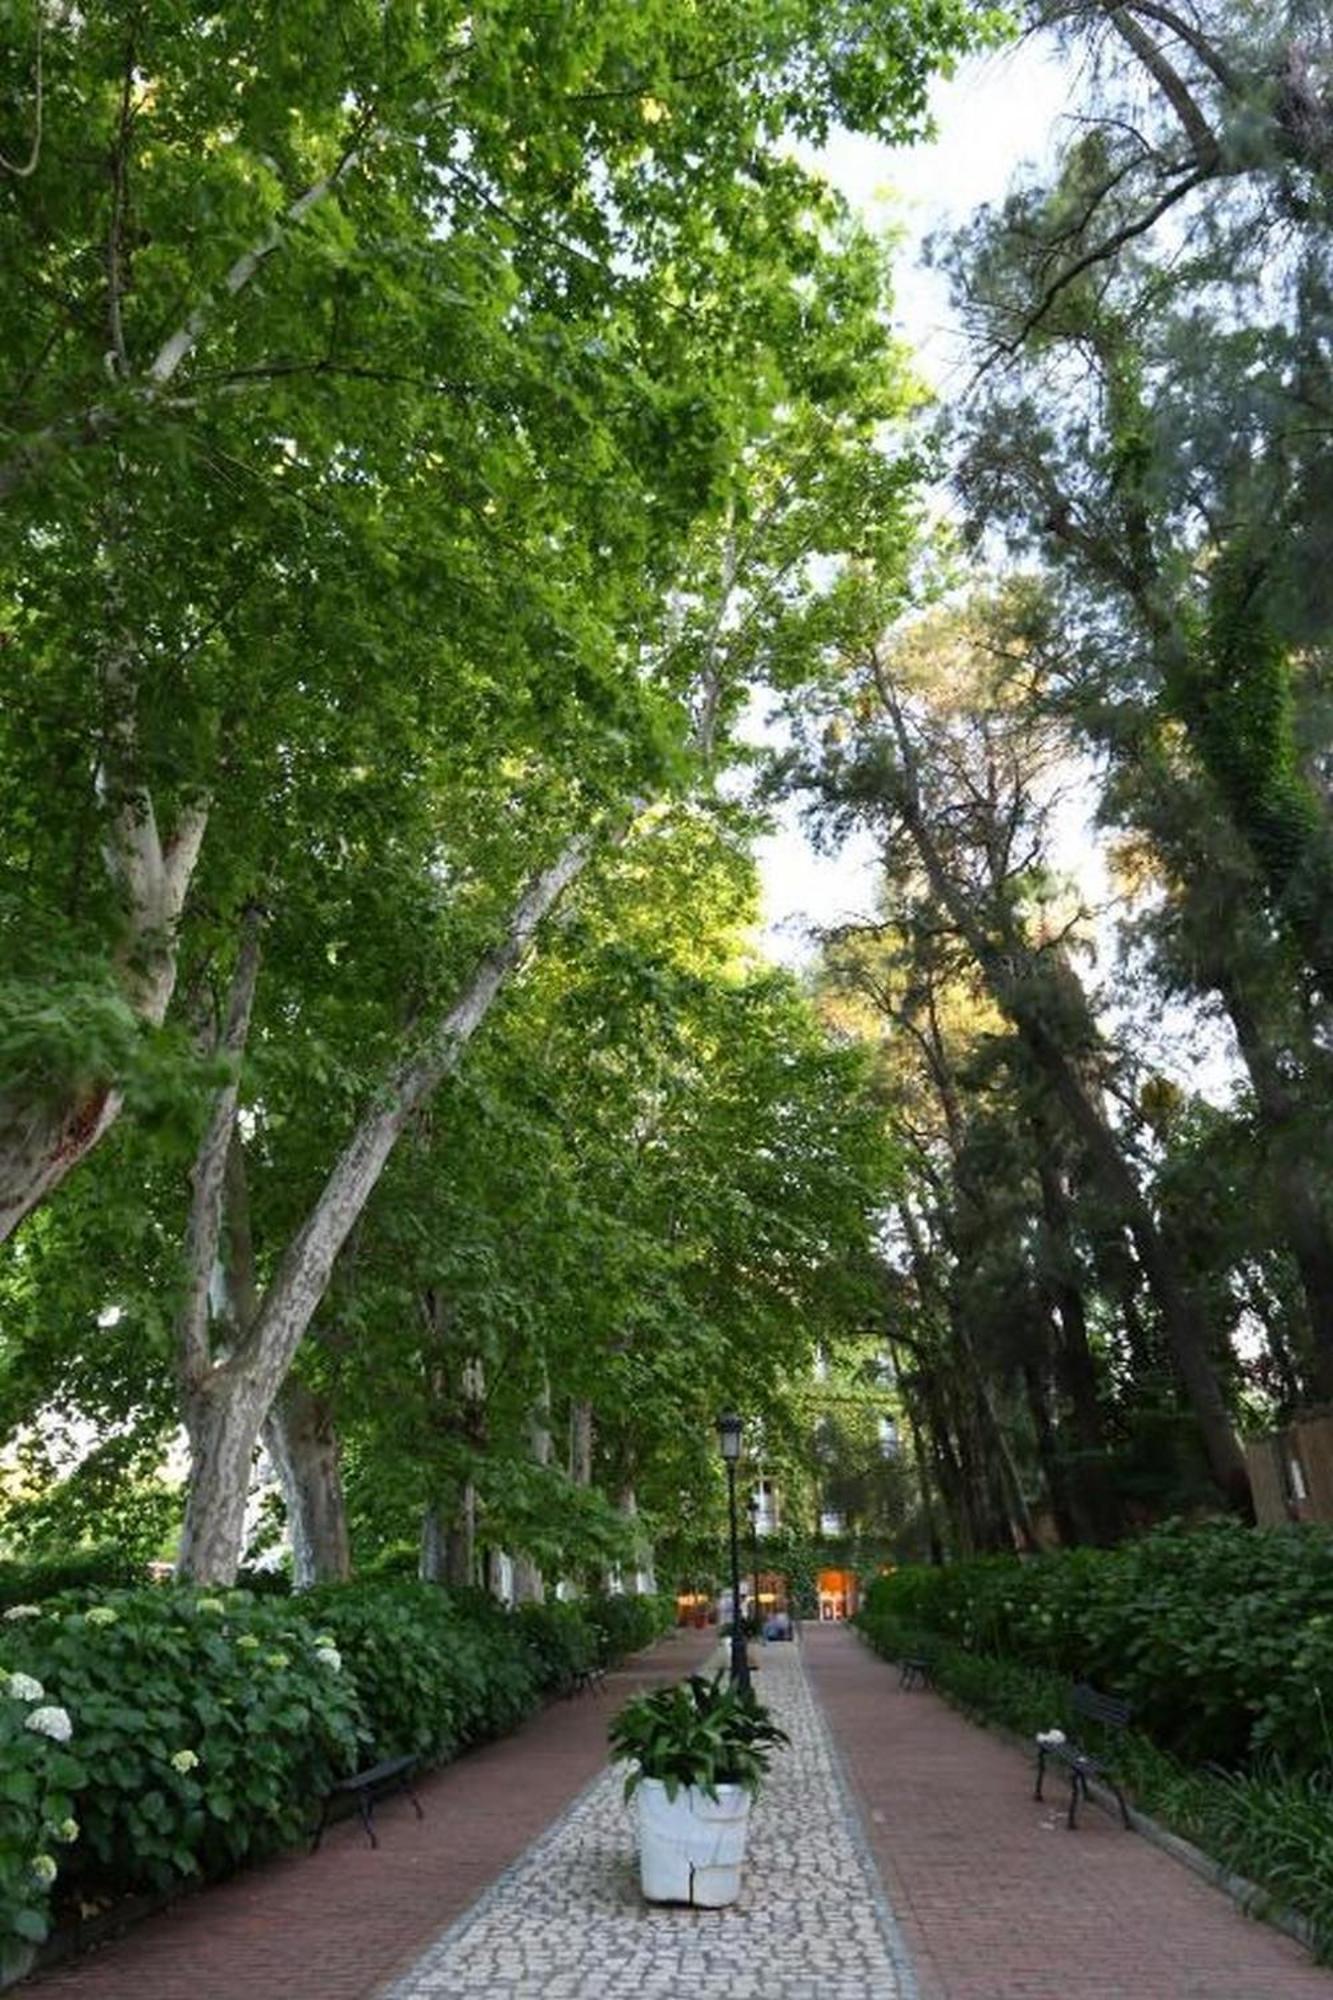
(837, 1595)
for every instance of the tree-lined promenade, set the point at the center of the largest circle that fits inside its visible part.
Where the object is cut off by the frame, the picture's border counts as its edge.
(459, 481)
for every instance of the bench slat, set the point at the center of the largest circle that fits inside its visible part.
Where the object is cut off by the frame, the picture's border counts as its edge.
(377, 1774)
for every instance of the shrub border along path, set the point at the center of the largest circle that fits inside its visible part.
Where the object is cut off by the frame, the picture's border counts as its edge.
(338, 1924)
(996, 1900)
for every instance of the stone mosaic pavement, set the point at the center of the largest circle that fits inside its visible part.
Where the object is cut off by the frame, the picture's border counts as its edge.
(567, 1922)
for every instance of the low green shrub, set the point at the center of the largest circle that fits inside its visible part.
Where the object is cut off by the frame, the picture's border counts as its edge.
(200, 1728)
(153, 1734)
(1273, 1826)
(28, 1580)
(559, 1643)
(38, 1780)
(627, 1624)
(1221, 1637)
(435, 1669)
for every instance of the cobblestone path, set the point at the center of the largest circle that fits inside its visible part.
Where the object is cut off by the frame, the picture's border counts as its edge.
(568, 1922)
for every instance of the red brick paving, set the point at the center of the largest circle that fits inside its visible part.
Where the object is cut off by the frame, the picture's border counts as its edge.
(995, 1899)
(338, 1924)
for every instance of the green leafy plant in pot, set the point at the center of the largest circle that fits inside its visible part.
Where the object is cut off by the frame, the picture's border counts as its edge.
(698, 1754)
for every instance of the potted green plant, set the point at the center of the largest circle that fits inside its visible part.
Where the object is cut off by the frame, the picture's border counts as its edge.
(698, 1754)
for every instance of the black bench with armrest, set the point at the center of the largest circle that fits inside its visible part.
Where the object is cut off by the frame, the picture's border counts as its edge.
(1106, 1712)
(583, 1678)
(390, 1774)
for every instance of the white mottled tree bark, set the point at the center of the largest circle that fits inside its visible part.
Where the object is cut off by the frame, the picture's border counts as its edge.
(233, 1398)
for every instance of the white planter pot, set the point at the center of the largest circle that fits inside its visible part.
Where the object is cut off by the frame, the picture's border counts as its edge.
(691, 1848)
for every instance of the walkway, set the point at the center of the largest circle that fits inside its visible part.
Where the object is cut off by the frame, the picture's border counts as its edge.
(520, 1884)
(569, 1922)
(337, 1924)
(997, 1900)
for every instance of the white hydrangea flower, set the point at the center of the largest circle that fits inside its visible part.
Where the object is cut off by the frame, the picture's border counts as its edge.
(249, 1642)
(52, 1722)
(44, 1868)
(101, 1614)
(1050, 1739)
(329, 1656)
(325, 1639)
(22, 1687)
(23, 1611)
(211, 1604)
(184, 1760)
(277, 1660)
(67, 1831)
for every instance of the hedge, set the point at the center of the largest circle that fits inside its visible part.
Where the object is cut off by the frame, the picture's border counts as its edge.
(156, 1734)
(27, 1580)
(1221, 1637)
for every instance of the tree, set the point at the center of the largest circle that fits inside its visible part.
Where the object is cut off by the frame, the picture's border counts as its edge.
(962, 784)
(367, 311)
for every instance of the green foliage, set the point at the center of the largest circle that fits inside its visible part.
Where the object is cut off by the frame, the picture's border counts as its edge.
(622, 1625)
(699, 1734)
(203, 1727)
(1221, 1637)
(38, 1780)
(1271, 1826)
(559, 1642)
(434, 1669)
(28, 1581)
(203, 1730)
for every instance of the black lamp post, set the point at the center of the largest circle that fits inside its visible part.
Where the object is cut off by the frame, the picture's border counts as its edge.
(729, 1438)
(752, 1509)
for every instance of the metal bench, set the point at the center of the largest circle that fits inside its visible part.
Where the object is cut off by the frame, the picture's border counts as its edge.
(583, 1678)
(914, 1671)
(391, 1773)
(1107, 1712)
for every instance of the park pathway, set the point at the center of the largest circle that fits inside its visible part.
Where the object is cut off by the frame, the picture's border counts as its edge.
(569, 1922)
(896, 1855)
(996, 1899)
(336, 1925)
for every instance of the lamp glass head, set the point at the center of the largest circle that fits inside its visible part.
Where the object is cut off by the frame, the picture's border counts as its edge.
(729, 1436)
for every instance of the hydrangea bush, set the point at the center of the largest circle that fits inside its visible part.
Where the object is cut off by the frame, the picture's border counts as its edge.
(203, 1726)
(1221, 1636)
(39, 1777)
(153, 1734)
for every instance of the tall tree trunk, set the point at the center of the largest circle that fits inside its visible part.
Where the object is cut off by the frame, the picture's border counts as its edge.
(1305, 1219)
(1048, 1454)
(1027, 992)
(302, 1441)
(460, 1540)
(1094, 1495)
(993, 1458)
(222, 1415)
(430, 1556)
(529, 1583)
(580, 1442)
(287, 1307)
(925, 1483)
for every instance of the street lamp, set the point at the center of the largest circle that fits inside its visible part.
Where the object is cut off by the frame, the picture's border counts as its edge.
(729, 1440)
(752, 1509)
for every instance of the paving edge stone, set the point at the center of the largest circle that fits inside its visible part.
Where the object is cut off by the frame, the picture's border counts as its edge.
(1251, 1898)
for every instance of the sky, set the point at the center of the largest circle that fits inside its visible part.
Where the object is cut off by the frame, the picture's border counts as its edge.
(993, 115)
